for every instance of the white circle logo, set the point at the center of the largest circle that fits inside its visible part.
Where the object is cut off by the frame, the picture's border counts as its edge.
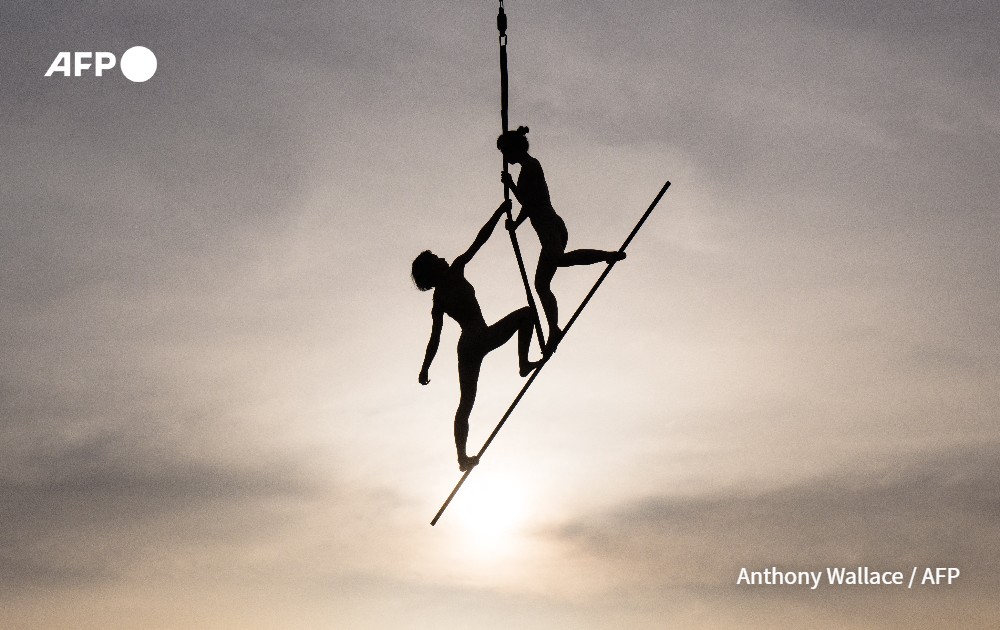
(138, 64)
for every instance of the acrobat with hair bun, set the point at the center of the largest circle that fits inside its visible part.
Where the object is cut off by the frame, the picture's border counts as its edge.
(532, 192)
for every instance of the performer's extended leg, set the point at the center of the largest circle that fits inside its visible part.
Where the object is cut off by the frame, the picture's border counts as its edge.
(469, 364)
(588, 257)
(546, 271)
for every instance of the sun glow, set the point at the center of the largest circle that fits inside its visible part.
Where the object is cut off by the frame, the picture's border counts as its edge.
(492, 512)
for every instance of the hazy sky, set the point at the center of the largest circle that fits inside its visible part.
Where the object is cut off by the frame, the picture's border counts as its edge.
(209, 408)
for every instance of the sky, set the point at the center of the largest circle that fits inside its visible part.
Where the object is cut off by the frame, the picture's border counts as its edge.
(209, 407)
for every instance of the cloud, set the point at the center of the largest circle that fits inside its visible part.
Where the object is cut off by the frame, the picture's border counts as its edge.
(83, 514)
(939, 510)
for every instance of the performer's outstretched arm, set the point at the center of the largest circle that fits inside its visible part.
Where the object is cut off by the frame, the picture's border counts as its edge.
(482, 237)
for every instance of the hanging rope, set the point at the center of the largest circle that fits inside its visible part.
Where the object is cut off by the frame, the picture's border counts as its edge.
(502, 28)
(534, 374)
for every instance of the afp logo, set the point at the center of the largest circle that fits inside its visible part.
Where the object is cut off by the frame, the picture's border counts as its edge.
(138, 64)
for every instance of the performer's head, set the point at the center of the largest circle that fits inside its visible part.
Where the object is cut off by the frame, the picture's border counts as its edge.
(513, 144)
(428, 270)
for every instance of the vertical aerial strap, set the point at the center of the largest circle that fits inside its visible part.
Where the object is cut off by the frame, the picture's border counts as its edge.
(502, 28)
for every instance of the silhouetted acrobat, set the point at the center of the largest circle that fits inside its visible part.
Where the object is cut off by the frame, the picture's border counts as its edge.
(456, 297)
(532, 193)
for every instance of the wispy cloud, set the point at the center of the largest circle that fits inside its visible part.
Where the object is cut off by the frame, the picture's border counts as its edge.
(935, 510)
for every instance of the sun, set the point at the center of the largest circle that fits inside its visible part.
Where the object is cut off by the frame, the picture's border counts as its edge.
(492, 512)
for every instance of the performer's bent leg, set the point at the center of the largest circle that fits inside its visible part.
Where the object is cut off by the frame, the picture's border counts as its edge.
(521, 321)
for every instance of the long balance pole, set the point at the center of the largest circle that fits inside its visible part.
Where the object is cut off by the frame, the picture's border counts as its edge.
(502, 28)
(534, 374)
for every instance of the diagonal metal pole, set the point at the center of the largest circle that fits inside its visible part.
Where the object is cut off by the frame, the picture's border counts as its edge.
(531, 379)
(502, 28)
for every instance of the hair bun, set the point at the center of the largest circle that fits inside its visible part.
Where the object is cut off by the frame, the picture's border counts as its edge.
(522, 130)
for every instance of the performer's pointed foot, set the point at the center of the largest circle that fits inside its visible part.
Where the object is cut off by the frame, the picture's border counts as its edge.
(528, 367)
(616, 256)
(465, 462)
